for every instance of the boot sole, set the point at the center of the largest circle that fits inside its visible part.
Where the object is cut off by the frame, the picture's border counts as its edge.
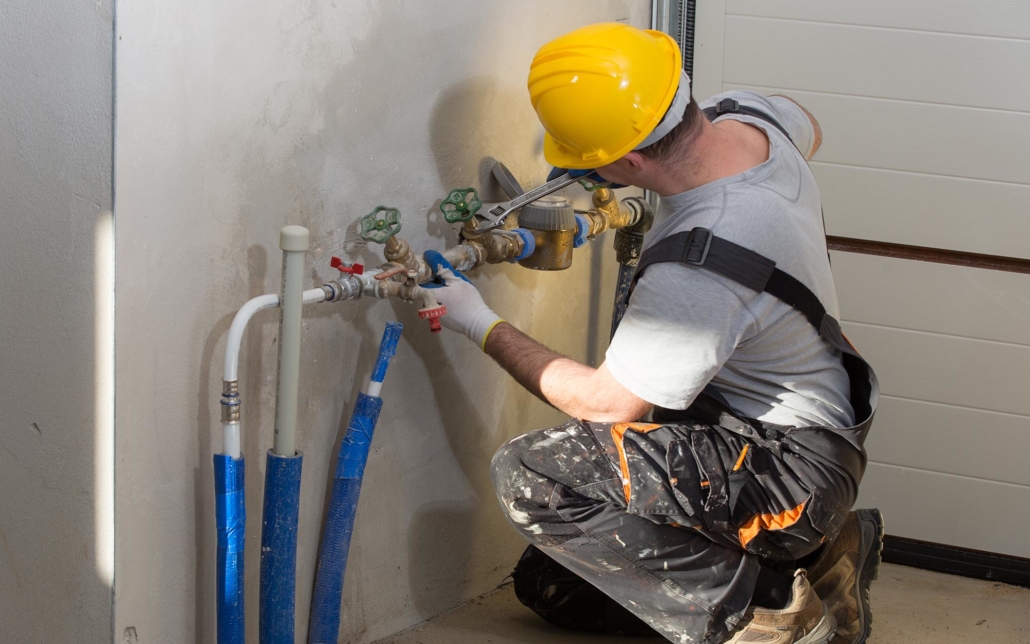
(871, 530)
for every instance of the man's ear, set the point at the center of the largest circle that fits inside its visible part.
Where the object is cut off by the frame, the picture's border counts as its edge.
(635, 161)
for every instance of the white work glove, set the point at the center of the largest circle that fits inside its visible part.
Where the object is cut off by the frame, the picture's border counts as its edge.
(467, 313)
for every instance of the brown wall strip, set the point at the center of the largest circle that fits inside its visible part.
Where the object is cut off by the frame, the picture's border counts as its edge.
(922, 254)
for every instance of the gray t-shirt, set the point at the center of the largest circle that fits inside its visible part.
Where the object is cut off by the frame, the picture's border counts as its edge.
(686, 326)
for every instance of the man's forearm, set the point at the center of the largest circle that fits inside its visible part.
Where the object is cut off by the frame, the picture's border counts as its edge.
(572, 387)
(525, 358)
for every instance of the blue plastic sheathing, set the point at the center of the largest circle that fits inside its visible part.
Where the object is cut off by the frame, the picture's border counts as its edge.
(279, 548)
(343, 502)
(387, 349)
(350, 462)
(231, 522)
(332, 562)
(622, 294)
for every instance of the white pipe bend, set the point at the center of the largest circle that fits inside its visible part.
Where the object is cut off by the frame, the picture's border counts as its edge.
(231, 431)
(230, 368)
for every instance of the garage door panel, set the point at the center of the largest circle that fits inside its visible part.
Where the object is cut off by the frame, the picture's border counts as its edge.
(875, 62)
(925, 210)
(1003, 18)
(951, 440)
(943, 508)
(926, 117)
(916, 137)
(946, 369)
(938, 298)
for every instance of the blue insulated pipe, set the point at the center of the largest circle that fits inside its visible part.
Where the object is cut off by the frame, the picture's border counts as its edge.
(343, 502)
(279, 548)
(283, 464)
(231, 520)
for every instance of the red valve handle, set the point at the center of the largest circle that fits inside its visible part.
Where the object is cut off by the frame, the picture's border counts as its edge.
(344, 267)
(433, 315)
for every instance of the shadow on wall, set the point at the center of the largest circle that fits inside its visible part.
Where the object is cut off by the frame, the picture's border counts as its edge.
(436, 580)
(470, 117)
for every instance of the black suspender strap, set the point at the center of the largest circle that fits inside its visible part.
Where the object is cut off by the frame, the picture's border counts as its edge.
(699, 247)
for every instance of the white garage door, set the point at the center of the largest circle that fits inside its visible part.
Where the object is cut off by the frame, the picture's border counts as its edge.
(925, 109)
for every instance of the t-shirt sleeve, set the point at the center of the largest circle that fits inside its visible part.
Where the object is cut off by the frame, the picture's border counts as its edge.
(786, 112)
(681, 326)
(795, 121)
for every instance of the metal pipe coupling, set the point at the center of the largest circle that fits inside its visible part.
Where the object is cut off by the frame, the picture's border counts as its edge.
(230, 401)
(345, 288)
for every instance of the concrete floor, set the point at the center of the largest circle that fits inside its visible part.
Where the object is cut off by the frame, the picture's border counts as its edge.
(910, 606)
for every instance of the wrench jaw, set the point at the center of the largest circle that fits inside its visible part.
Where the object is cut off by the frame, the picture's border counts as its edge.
(493, 217)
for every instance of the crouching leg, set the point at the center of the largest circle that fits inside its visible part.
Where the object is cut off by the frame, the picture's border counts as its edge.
(562, 489)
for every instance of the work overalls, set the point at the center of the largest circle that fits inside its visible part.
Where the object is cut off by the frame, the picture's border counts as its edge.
(672, 519)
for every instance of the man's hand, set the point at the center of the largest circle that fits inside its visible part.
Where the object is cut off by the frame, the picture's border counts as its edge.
(574, 388)
(467, 313)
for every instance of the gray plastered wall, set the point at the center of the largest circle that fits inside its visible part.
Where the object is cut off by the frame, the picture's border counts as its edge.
(237, 118)
(55, 228)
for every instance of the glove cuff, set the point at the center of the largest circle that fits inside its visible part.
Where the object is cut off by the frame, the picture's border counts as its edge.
(493, 325)
(481, 327)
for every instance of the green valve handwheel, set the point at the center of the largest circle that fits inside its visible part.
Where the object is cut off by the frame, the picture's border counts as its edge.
(460, 205)
(380, 224)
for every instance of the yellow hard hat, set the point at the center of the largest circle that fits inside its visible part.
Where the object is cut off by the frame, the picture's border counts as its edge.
(599, 91)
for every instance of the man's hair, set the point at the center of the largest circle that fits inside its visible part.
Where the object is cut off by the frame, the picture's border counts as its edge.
(677, 141)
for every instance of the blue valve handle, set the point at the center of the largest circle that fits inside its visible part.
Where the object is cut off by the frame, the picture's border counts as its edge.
(582, 231)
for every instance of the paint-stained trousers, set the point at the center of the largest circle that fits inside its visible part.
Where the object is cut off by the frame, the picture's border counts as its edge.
(672, 521)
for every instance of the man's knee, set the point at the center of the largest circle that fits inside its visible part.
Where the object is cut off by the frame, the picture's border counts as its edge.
(508, 468)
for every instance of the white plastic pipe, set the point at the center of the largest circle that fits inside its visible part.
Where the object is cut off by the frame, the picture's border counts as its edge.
(238, 326)
(231, 431)
(231, 439)
(294, 242)
(230, 368)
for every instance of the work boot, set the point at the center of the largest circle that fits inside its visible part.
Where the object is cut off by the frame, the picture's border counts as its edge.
(805, 620)
(844, 571)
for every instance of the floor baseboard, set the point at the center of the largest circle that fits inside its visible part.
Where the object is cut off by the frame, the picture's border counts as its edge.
(957, 561)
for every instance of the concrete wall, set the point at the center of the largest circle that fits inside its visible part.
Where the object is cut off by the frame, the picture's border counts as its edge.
(55, 336)
(235, 118)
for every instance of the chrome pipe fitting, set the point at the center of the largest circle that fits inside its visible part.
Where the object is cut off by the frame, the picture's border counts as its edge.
(230, 401)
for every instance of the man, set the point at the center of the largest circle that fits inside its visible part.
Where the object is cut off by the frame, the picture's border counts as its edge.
(704, 522)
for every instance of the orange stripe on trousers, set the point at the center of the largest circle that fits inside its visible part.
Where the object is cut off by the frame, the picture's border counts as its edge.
(760, 522)
(619, 436)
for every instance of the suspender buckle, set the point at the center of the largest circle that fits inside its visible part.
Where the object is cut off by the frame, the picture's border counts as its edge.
(727, 106)
(700, 239)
